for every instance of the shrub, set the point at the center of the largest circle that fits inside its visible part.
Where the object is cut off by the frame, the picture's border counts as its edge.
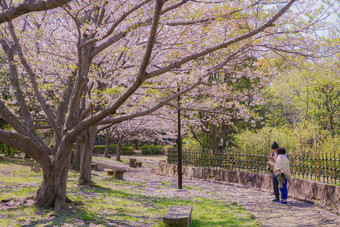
(7, 150)
(152, 149)
(302, 138)
(98, 148)
(125, 149)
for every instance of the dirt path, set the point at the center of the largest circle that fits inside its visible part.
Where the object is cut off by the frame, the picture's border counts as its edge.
(259, 203)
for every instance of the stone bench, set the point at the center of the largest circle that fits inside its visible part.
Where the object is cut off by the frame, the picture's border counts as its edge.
(116, 173)
(178, 216)
(2, 156)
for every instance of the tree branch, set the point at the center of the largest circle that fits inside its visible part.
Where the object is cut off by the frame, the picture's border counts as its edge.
(122, 34)
(28, 6)
(220, 46)
(16, 86)
(152, 109)
(32, 75)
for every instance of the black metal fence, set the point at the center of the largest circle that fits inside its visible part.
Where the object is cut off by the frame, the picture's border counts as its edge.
(322, 167)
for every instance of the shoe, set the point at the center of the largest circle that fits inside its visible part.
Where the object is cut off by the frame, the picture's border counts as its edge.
(283, 202)
(275, 200)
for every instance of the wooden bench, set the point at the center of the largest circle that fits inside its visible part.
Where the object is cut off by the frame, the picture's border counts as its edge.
(178, 216)
(116, 173)
(139, 164)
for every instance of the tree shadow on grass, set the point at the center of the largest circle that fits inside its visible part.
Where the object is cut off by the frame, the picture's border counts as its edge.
(17, 161)
(129, 211)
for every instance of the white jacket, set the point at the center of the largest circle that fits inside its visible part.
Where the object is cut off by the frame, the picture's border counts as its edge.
(282, 164)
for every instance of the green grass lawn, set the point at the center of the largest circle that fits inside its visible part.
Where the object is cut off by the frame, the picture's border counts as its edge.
(111, 203)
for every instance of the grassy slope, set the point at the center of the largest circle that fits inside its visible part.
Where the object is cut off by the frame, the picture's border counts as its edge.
(112, 203)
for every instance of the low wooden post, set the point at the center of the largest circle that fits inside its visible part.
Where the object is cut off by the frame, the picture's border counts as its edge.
(133, 162)
(93, 166)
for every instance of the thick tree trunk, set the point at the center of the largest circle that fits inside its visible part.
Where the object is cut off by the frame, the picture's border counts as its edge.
(107, 145)
(52, 191)
(86, 157)
(119, 146)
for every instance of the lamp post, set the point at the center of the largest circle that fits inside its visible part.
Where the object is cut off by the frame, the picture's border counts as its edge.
(179, 143)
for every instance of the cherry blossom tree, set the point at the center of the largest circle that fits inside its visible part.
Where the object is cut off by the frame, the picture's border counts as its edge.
(93, 63)
(146, 128)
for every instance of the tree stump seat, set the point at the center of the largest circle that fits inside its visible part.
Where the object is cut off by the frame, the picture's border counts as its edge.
(139, 164)
(116, 173)
(133, 162)
(178, 216)
(94, 166)
(35, 167)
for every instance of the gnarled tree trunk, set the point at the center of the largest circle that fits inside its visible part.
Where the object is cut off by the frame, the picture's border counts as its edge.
(52, 191)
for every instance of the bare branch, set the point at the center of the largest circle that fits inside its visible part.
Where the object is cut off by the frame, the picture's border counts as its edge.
(122, 34)
(152, 109)
(32, 75)
(112, 28)
(220, 46)
(16, 86)
(152, 38)
(29, 6)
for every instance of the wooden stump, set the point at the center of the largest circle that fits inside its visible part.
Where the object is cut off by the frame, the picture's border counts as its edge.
(35, 167)
(118, 174)
(139, 164)
(178, 216)
(94, 166)
(109, 172)
(133, 162)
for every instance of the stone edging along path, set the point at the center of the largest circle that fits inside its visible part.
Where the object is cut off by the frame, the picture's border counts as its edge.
(257, 202)
(323, 194)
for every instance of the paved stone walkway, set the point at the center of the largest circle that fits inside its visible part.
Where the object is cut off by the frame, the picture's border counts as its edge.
(259, 203)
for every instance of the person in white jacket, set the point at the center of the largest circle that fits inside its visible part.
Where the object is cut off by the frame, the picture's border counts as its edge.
(281, 169)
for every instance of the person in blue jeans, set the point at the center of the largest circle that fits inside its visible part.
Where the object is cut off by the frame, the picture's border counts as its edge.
(281, 170)
(272, 158)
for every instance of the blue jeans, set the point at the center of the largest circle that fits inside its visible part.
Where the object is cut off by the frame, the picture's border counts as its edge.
(284, 192)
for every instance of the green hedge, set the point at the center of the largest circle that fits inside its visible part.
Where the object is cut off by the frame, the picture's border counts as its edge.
(152, 149)
(125, 150)
(7, 150)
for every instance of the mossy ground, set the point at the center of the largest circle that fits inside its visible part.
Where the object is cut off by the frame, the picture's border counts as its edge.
(111, 203)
